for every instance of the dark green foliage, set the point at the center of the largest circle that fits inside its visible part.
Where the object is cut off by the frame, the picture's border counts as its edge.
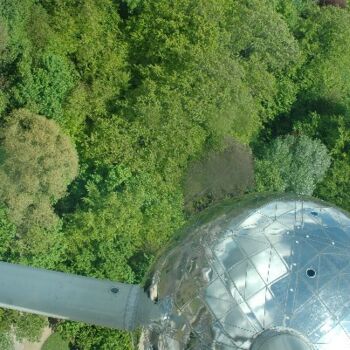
(3, 36)
(145, 88)
(7, 234)
(44, 88)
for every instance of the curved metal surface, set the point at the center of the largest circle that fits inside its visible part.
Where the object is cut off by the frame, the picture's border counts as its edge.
(281, 339)
(266, 263)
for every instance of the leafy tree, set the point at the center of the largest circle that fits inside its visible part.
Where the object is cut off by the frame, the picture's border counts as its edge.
(336, 185)
(143, 96)
(334, 131)
(324, 38)
(40, 247)
(44, 88)
(33, 180)
(298, 163)
(88, 32)
(268, 177)
(268, 52)
(192, 66)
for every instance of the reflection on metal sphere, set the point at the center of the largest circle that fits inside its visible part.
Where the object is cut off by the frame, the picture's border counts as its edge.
(257, 274)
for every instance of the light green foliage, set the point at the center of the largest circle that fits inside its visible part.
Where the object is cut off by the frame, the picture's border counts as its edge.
(55, 342)
(22, 325)
(99, 248)
(33, 180)
(326, 43)
(269, 53)
(268, 177)
(28, 326)
(298, 161)
(32, 249)
(133, 4)
(14, 13)
(263, 34)
(3, 102)
(88, 31)
(184, 50)
(144, 88)
(334, 131)
(6, 343)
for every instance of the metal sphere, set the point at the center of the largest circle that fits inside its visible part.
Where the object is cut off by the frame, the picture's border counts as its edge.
(247, 270)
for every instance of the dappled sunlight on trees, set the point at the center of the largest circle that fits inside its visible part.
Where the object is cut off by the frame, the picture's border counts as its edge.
(146, 94)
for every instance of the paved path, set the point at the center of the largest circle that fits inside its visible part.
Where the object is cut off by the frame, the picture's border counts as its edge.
(34, 346)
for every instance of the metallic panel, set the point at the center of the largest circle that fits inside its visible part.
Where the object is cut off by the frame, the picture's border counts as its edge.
(249, 263)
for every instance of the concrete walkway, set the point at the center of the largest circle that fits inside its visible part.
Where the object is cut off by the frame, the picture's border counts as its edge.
(34, 346)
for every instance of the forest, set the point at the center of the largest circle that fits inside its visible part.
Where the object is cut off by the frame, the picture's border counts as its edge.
(121, 119)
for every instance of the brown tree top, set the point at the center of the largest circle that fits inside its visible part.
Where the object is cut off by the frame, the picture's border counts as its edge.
(37, 162)
(218, 175)
(340, 3)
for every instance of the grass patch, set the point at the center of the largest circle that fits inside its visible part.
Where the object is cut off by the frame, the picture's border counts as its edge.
(55, 342)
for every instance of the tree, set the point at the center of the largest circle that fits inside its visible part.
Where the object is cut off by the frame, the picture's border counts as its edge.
(325, 40)
(269, 53)
(221, 173)
(335, 187)
(44, 88)
(37, 164)
(297, 164)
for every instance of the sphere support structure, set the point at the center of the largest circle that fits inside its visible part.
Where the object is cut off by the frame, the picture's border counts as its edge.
(77, 298)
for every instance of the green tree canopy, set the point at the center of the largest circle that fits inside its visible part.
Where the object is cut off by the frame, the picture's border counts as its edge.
(294, 164)
(37, 164)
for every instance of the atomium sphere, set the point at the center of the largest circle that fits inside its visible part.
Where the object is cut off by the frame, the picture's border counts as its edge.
(268, 273)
